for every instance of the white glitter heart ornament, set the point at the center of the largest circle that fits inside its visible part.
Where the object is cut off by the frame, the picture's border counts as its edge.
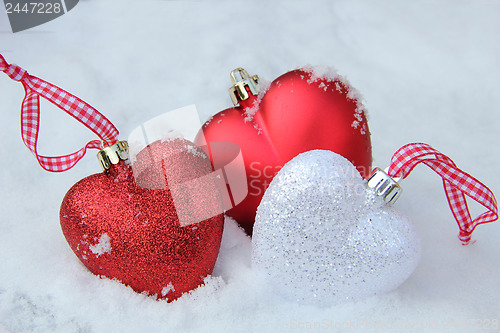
(321, 236)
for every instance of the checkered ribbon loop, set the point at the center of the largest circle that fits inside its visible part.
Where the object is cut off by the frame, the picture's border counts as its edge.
(456, 182)
(15, 72)
(30, 117)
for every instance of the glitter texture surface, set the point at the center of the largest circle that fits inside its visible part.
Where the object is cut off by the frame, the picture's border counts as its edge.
(321, 237)
(132, 234)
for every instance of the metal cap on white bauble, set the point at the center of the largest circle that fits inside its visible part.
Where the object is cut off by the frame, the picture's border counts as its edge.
(384, 186)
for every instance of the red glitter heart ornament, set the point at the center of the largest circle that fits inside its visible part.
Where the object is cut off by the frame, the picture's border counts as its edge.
(302, 110)
(156, 226)
(132, 233)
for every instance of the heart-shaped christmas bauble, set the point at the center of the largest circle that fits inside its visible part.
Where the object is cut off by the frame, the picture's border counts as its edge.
(322, 237)
(123, 223)
(304, 109)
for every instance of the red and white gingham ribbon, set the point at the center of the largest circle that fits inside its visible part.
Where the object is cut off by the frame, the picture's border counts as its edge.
(456, 182)
(72, 105)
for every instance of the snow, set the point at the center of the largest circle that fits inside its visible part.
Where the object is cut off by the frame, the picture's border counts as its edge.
(102, 246)
(428, 72)
(251, 111)
(330, 74)
(322, 72)
(167, 289)
(194, 151)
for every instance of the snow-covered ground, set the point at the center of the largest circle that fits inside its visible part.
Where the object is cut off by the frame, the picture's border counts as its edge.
(428, 70)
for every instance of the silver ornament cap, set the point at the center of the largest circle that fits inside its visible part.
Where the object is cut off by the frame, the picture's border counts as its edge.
(384, 186)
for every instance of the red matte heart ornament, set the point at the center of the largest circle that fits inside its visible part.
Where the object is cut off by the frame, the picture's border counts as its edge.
(304, 109)
(132, 233)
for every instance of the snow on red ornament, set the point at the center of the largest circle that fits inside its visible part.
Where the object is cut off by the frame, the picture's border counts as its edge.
(304, 109)
(132, 233)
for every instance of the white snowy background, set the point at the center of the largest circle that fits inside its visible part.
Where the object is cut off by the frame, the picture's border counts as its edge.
(429, 71)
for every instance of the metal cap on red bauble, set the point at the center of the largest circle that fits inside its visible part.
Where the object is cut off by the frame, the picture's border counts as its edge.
(113, 154)
(242, 88)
